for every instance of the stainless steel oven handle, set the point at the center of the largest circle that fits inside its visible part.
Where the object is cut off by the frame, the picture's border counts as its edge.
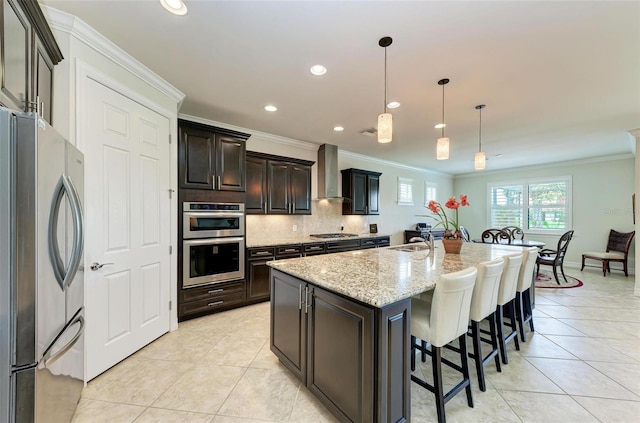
(209, 241)
(207, 214)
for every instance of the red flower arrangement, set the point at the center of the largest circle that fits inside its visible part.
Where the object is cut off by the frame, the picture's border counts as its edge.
(451, 226)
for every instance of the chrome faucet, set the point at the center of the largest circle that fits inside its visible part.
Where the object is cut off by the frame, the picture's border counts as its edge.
(428, 242)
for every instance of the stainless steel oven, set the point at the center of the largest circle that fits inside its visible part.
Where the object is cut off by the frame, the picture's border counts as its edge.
(209, 220)
(213, 243)
(212, 260)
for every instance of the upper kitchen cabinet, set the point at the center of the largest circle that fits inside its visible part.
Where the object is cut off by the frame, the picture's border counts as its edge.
(362, 187)
(211, 158)
(278, 185)
(28, 53)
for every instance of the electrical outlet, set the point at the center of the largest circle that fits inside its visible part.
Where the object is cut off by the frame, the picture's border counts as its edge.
(295, 228)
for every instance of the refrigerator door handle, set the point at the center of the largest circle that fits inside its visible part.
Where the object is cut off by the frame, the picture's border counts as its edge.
(54, 249)
(78, 230)
(50, 358)
(65, 277)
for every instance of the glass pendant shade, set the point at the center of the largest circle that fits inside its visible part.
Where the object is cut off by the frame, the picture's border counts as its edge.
(385, 127)
(480, 160)
(442, 148)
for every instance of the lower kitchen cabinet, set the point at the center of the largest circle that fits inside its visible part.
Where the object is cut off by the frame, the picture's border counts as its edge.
(341, 349)
(198, 301)
(258, 273)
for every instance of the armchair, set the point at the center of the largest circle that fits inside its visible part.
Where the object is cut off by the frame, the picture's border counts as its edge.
(617, 251)
(555, 258)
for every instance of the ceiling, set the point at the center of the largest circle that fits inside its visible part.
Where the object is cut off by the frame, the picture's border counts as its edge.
(560, 80)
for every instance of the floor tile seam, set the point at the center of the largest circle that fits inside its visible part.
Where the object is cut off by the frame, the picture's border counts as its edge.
(295, 401)
(556, 394)
(613, 380)
(586, 363)
(604, 398)
(547, 376)
(591, 336)
(180, 410)
(257, 354)
(222, 403)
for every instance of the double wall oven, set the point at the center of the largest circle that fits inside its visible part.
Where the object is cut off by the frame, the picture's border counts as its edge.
(213, 246)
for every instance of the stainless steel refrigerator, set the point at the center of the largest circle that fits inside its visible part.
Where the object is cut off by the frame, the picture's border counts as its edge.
(41, 279)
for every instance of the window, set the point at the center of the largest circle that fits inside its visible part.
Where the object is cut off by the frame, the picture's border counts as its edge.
(430, 192)
(405, 191)
(535, 206)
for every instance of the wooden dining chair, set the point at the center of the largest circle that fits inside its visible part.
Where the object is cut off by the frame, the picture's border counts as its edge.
(496, 236)
(618, 246)
(514, 232)
(555, 258)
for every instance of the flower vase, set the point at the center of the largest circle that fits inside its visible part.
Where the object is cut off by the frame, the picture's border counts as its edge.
(452, 245)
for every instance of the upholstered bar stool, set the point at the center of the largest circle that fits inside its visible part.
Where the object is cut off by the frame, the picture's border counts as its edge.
(440, 321)
(525, 279)
(506, 295)
(483, 306)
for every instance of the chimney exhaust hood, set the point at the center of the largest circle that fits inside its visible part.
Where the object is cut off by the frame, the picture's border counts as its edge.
(328, 173)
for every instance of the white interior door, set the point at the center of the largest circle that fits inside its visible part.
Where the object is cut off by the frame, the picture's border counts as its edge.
(127, 225)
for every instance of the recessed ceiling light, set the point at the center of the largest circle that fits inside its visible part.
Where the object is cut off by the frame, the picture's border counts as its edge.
(393, 104)
(270, 108)
(318, 70)
(338, 128)
(177, 7)
(440, 125)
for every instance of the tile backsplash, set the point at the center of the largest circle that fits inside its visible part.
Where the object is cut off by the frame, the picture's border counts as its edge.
(326, 218)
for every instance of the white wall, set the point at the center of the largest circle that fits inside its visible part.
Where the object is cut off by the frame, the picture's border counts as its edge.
(601, 197)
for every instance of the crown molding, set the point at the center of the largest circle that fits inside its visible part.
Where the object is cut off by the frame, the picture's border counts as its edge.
(392, 164)
(589, 160)
(305, 145)
(76, 27)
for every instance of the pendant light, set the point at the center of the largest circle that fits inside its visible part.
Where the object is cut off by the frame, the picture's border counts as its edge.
(442, 145)
(385, 120)
(480, 158)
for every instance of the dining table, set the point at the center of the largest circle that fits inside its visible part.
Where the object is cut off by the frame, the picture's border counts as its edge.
(518, 243)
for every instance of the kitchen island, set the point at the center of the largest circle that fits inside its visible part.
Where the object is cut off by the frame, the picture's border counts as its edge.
(341, 323)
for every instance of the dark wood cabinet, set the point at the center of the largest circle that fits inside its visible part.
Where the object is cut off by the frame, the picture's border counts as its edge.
(382, 241)
(437, 234)
(28, 53)
(362, 188)
(211, 158)
(193, 302)
(278, 185)
(256, 202)
(352, 357)
(343, 245)
(258, 284)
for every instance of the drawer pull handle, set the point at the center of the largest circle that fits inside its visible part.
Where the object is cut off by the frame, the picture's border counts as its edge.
(215, 303)
(262, 253)
(290, 250)
(213, 291)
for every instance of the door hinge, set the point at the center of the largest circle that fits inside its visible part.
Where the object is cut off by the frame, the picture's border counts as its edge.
(170, 249)
(170, 305)
(171, 191)
(169, 138)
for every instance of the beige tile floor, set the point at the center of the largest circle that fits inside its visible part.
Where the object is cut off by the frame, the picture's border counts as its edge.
(582, 364)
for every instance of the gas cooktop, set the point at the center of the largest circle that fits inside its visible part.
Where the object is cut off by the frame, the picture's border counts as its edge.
(334, 235)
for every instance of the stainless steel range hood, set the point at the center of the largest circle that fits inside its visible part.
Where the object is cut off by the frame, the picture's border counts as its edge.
(328, 172)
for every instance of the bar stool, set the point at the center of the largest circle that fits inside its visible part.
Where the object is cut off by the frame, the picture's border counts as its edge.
(506, 295)
(525, 278)
(438, 322)
(483, 306)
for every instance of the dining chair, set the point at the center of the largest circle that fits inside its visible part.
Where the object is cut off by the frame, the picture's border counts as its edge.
(514, 232)
(506, 296)
(439, 321)
(524, 314)
(495, 236)
(555, 258)
(618, 246)
(483, 306)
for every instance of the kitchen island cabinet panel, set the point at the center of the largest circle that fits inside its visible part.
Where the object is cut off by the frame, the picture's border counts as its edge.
(341, 328)
(351, 356)
(289, 323)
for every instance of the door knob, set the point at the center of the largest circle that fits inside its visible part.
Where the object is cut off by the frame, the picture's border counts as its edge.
(95, 266)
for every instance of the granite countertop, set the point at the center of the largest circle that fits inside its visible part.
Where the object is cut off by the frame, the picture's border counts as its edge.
(267, 242)
(382, 276)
